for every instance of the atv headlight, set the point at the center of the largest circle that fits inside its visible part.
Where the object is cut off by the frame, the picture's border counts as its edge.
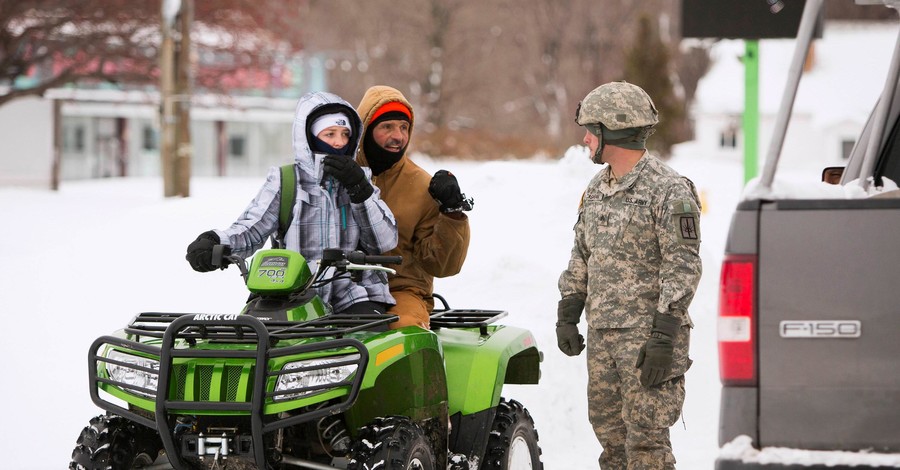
(133, 376)
(314, 375)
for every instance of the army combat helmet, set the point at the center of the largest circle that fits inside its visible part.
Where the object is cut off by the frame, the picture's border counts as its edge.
(619, 113)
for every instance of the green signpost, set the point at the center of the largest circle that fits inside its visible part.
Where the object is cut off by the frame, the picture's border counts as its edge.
(751, 21)
(750, 121)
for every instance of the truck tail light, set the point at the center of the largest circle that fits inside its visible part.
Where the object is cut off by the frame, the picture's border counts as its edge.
(737, 321)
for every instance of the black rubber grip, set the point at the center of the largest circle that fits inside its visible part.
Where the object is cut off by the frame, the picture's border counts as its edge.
(358, 257)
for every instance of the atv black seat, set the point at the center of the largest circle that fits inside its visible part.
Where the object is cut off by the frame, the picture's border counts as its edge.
(465, 318)
(275, 308)
(154, 324)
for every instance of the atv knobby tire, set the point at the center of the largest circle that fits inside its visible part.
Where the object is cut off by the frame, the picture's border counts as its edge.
(513, 443)
(392, 443)
(114, 443)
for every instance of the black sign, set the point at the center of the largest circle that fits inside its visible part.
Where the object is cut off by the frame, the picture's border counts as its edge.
(743, 19)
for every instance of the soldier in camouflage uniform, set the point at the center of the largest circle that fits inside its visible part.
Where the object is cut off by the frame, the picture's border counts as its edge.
(634, 268)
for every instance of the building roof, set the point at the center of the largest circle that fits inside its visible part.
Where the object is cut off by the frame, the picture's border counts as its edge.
(850, 63)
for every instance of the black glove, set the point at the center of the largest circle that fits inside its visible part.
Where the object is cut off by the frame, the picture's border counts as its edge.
(656, 355)
(199, 252)
(445, 190)
(350, 175)
(568, 313)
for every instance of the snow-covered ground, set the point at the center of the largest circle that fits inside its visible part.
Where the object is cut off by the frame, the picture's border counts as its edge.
(79, 263)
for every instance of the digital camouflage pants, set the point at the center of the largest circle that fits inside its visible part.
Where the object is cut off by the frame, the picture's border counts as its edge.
(632, 422)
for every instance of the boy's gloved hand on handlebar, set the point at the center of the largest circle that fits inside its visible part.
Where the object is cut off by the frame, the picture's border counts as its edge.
(200, 252)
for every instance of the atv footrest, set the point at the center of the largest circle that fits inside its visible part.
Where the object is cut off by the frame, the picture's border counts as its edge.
(466, 318)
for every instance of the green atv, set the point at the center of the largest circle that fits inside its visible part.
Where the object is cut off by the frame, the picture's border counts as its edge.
(286, 384)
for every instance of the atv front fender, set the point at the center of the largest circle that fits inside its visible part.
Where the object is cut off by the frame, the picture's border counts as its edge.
(405, 377)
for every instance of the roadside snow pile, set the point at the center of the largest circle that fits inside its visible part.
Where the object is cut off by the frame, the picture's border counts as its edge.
(741, 448)
(577, 160)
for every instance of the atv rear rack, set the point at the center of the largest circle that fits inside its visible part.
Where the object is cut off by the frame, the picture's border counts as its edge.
(237, 328)
(466, 318)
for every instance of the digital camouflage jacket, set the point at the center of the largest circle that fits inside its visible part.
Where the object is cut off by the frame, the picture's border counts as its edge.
(637, 247)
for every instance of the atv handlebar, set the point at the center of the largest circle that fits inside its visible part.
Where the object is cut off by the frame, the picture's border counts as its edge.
(341, 260)
(358, 257)
(357, 261)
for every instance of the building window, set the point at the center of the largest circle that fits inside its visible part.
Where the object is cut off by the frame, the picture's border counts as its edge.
(150, 138)
(73, 140)
(846, 148)
(728, 138)
(236, 145)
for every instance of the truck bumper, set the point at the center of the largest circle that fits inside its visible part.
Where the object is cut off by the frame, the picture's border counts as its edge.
(722, 464)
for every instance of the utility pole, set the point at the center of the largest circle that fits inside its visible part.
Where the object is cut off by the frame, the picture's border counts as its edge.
(175, 96)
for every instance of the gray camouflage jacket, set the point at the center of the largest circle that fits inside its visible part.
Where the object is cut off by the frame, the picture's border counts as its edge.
(637, 247)
(324, 217)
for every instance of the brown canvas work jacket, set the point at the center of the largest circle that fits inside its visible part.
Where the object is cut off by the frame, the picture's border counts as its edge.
(431, 244)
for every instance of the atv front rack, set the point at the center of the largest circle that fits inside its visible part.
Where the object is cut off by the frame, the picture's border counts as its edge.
(234, 328)
(154, 325)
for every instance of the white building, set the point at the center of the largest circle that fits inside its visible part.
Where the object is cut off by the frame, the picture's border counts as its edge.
(116, 134)
(26, 142)
(846, 72)
(98, 132)
(106, 133)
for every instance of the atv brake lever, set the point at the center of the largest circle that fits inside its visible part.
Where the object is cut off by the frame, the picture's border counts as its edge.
(368, 267)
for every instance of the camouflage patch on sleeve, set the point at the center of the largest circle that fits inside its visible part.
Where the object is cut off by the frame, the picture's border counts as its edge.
(686, 217)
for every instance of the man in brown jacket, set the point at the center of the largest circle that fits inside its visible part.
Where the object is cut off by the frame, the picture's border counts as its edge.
(433, 233)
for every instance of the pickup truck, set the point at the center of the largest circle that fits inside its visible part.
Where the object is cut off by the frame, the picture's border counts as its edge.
(809, 302)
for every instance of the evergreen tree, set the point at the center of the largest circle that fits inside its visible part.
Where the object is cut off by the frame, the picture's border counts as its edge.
(648, 65)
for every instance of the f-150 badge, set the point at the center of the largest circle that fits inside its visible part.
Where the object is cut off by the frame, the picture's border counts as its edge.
(820, 329)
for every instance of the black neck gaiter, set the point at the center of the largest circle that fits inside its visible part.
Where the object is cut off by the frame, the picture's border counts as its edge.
(320, 146)
(379, 159)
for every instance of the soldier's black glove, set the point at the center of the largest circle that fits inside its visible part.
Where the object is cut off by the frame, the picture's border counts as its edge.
(656, 355)
(570, 342)
(199, 252)
(350, 175)
(445, 190)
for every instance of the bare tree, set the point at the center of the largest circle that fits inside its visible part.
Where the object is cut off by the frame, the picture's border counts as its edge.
(89, 40)
(488, 78)
(648, 64)
(551, 20)
(47, 43)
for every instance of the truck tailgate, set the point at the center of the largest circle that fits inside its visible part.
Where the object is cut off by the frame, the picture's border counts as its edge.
(825, 381)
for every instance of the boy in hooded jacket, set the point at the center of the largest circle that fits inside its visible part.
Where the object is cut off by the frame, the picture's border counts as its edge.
(336, 205)
(432, 229)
